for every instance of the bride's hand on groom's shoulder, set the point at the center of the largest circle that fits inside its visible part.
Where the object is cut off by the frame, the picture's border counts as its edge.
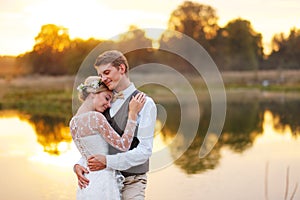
(136, 104)
(97, 162)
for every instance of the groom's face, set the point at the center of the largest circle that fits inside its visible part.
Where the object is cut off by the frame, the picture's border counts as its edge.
(110, 75)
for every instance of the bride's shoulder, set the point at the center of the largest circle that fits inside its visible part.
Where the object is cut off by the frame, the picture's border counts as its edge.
(96, 114)
(89, 114)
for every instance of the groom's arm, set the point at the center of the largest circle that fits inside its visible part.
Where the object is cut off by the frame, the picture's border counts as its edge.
(138, 155)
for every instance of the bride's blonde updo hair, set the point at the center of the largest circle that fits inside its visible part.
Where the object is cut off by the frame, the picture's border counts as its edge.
(92, 84)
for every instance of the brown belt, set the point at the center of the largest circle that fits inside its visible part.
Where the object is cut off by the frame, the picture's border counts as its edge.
(126, 174)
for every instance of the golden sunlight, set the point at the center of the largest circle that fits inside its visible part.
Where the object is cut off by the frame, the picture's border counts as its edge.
(160, 141)
(90, 19)
(280, 141)
(97, 21)
(66, 159)
(18, 138)
(272, 134)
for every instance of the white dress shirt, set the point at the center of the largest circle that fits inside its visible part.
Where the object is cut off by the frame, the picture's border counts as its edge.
(146, 124)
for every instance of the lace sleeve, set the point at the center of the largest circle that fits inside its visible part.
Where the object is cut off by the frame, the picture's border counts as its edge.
(111, 136)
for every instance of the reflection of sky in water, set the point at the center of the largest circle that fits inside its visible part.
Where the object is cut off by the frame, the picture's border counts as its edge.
(35, 174)
(19, 138)
(239, 175)
(245, 173)
(29, 172)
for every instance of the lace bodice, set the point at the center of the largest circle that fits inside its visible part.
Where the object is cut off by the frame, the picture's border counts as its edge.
(87, 127)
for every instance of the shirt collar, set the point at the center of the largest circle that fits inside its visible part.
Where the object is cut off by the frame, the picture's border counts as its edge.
(129, 90)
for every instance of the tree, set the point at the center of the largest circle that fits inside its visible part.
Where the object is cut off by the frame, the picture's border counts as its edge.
(52, 37)
(194, 20)
(220, 49)
(49, 50)
(133, 40)
(74, 56)
(244, 45)
(285, 51)
(197, 21)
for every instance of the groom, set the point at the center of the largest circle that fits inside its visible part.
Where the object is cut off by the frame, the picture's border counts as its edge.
(113, 68)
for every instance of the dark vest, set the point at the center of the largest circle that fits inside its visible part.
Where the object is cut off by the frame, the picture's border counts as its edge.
(118, 122)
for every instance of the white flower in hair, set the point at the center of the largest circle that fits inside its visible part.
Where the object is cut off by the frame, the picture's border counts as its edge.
(94, 84)
(81, 87)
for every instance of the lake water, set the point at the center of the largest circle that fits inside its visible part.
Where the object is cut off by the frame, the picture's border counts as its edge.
(256, 157)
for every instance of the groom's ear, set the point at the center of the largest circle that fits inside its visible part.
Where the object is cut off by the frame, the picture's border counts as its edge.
(122, 68)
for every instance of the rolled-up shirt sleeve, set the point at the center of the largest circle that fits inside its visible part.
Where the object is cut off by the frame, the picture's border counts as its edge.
(140, 154)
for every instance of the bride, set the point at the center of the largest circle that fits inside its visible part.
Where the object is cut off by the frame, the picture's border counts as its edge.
(92, 134)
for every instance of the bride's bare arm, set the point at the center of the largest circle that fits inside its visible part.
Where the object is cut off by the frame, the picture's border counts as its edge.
(111, 136)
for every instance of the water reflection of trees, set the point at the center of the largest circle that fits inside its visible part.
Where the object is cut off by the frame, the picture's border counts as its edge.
(288, 112)
(189, 160)
(242, 125)
(49, 112)
(51, 131)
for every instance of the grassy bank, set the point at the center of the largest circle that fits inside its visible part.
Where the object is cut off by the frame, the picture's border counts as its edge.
(51, 96)
(41, 91)
(274, 80)
(232, 79)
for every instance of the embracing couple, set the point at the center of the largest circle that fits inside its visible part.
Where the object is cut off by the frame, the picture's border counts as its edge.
(113, 130)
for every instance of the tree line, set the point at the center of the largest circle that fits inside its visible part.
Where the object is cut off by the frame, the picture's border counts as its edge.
(236, 46)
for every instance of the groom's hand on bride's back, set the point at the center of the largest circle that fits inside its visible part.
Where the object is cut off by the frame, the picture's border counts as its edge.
(80, 171)
(97, 162)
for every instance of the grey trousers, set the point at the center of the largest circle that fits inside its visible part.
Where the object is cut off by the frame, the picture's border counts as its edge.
(134, 187)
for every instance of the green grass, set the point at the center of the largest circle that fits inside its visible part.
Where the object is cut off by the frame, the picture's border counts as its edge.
(38, 102)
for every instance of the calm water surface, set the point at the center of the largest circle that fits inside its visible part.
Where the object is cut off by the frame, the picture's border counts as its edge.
(256, 157)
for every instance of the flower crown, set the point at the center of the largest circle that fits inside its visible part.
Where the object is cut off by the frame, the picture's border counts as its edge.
(94, 84)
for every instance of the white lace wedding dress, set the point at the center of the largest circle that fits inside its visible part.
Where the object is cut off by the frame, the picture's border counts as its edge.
(92, 134)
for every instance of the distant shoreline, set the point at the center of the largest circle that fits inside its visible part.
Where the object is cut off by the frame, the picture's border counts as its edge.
(232, 80)
(239, 87)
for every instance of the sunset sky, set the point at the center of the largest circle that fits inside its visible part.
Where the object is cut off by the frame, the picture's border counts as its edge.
(21, 20)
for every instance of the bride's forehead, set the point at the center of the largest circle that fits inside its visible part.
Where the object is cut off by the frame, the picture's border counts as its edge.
(106, 92)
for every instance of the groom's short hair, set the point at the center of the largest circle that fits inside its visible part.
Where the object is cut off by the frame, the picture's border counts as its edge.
(113, 57)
